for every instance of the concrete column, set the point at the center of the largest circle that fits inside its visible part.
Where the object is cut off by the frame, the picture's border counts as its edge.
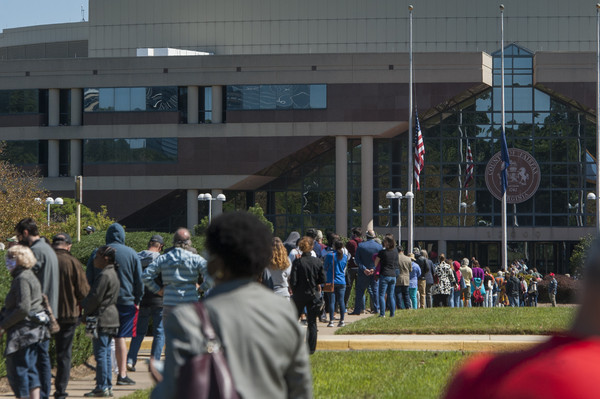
(53, 149)
(341, 185)
(75, 158)
(442, 247)
(217, 206)
(192, 105)
(217, 104)
(366, 173)
(192, 209)
(76, 107)
(53, 107)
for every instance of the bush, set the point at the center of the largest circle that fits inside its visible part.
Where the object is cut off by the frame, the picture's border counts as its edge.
(578, 256)
(567, 291)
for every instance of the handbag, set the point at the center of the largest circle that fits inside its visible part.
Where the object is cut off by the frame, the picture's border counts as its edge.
(91, 327)
(207, 374)
(329, 287)
(53, 325)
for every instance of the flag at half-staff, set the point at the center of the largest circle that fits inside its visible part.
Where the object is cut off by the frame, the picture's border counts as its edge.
(469, 170)
(419, 152)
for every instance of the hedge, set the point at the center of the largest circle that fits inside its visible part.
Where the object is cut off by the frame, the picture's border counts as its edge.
(82, 345)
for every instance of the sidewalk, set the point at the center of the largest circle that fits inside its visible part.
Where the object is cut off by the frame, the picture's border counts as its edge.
(327, 341)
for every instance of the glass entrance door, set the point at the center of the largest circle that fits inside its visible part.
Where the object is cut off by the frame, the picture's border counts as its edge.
(546, 257)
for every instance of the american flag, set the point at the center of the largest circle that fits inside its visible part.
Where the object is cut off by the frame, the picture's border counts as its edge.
(469, 171)
(419, 152)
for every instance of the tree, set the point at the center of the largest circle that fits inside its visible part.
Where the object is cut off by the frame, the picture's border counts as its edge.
(578, 256)
(18, 190)
(66, 215)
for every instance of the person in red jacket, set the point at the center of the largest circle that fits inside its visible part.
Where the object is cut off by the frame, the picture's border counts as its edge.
(565, 366)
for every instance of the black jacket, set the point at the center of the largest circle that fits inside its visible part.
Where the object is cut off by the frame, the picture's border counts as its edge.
(513, 286)
(307, 274)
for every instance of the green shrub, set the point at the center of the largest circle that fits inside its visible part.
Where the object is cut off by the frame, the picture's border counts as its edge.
(579, 254)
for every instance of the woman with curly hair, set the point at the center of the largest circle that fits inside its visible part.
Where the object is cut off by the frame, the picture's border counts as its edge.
(280, 268)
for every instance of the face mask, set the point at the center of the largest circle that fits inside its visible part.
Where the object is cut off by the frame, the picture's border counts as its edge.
(11, 264)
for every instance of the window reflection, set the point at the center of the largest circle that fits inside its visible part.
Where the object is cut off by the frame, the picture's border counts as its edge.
(142, 150)
(125, 99)
(281, 97)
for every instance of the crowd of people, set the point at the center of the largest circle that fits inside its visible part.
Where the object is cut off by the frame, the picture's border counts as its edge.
(121, 290)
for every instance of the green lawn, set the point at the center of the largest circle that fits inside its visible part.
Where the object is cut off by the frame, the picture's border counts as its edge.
(361, 374)
(507, 320)
(382, 374)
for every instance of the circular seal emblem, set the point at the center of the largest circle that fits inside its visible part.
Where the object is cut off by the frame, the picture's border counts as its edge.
(523, 176)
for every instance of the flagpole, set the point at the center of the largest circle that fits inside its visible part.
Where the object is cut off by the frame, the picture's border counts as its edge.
(597, 117)
(409, 151)
(504, 235)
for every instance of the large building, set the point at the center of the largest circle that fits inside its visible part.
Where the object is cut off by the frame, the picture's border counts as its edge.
(302, 107)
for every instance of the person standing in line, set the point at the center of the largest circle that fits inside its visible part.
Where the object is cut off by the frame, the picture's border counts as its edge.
(352, 269)
(532, 293)
(280, 269)
(415, 273)
(101, 303)
(467, 273)
(403, 280)
(387, 262)
(129, 270)
(552, 289)
(445, 280)
(422, 281)
(458, 287)
(428, 279)
(366, 274)
(180, 270)
(46, 270)
(488, 282)
(23, 337)
(513, 288)
(150, 307)
(306, 279)
(73, 288)
(335, 267)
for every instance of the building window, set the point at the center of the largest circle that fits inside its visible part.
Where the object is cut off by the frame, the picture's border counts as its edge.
(127, 99)
(19, 101)
(22, 152)
(151, 150)
(276, 97)
(560, 136)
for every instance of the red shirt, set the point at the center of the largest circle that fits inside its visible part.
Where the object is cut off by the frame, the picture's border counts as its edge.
(563, 367)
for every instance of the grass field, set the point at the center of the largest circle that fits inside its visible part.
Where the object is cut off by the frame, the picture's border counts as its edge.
(382, 374)
(420, 375)
(539, 321)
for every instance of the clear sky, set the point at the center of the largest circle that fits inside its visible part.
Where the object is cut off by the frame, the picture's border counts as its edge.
(19, 13)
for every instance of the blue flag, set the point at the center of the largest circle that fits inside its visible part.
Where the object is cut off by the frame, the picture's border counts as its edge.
(506, 162)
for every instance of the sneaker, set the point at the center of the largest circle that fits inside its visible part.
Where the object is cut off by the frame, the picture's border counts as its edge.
(99, 393)
(125, 381)
(330, 324)
(341, 323)
(130, 367)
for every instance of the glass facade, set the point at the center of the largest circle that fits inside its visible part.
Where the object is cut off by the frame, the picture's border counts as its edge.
(25, 101)
(151, 150)
(23, 152)
(124, 99)
(560, 136)
(276, 97)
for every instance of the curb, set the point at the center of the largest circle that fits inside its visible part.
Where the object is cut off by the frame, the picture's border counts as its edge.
(433, 343)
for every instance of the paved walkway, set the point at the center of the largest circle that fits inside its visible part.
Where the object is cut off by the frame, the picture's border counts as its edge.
(328, 341)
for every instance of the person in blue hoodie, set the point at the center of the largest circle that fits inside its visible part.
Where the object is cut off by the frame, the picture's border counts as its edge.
(129, 270)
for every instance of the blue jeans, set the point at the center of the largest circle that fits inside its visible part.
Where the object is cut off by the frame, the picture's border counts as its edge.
(366, 283)
(413, 296)
(402, 298)
(21, 370)
(339, 290)
(513, 300)
(44, 368)
(103, 361)
(158, 342)
(387, 286)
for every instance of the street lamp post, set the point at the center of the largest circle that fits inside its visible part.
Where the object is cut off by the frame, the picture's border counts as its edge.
(51, 201)
(398, 195)
(208, 197)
